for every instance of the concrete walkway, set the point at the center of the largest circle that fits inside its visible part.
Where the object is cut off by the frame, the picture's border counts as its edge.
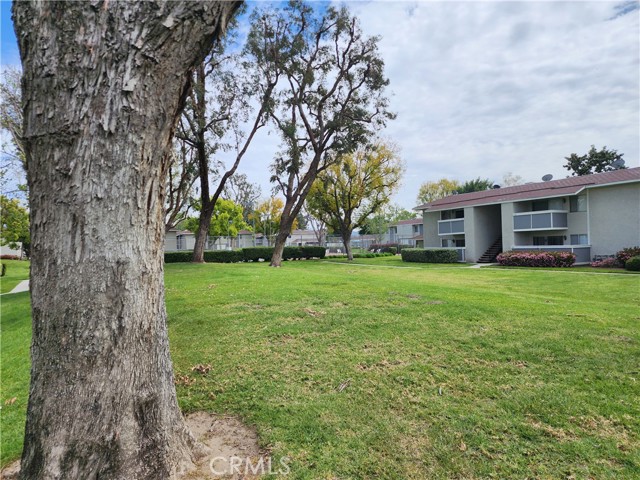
(23, 286)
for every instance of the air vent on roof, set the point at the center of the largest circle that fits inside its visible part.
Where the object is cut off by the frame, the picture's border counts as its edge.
(455, 192)
(495, 186)
(547, 177)
(618, 164)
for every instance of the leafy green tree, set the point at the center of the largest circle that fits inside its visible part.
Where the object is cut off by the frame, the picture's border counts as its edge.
(266, 217)
(596, 161)
(475, 185)
(14, 224)
(432, 191)
(395, 213)
(357, 186)
(226, 221)
(329, 96)
(376, 225)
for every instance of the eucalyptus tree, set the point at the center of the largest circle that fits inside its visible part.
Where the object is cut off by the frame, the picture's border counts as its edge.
(329, 98)
(225, 119)
(103, 86)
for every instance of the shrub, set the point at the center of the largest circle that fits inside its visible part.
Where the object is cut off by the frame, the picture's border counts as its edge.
(633, 264)
(607, 263)
(313, 252)
(223, 256)
(3, 270)
(537, 259)
(626, 253)
(175, 257)
(9, 257)
(435, 255)
(393, 250)
(253, 254)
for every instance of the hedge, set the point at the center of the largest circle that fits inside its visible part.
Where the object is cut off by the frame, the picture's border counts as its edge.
(537, 259)
(435, 255)
(633, 264)
(250, 254)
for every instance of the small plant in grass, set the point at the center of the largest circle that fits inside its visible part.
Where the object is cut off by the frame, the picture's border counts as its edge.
(633, 264)
(626, 253)
(3, 269)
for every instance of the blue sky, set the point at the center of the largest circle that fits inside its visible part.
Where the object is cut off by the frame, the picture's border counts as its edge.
(485, 88)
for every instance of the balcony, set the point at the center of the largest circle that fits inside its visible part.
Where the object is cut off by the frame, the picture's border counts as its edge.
(451, 227)
(542, 220)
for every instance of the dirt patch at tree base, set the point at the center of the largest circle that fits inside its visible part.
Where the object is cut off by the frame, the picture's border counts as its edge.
(231, 450)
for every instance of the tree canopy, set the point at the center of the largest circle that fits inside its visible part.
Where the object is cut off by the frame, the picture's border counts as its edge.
(329, 94)
(595, 161)
(358, 185)
(227, 219)
(475, 185)
(431, 191)
(14, 226)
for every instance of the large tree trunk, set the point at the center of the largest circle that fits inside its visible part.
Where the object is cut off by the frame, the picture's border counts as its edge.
(206, 213)
(346, 241)
(102, 89)
(281, 240)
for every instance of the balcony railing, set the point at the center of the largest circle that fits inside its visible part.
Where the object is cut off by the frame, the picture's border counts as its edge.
(451, 227)
(543, 220)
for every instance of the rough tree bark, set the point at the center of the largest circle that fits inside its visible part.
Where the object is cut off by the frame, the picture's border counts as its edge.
(103, 86)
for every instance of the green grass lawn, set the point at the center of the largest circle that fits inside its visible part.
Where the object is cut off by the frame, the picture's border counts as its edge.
(446, 372)
(17, 270)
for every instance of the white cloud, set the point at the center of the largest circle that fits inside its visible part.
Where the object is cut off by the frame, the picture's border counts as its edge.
(490, 87)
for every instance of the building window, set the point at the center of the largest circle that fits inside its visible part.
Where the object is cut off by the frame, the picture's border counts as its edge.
(451, 214)
(578, 204)
(539, 205)
(548, 240)
(459, 243)
(580, 239)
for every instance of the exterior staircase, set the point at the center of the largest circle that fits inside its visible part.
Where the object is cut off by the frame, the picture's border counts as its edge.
(492, 252)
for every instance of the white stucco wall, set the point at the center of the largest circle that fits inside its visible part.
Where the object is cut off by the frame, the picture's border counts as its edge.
(508, 237)
(430, 221)
(614, 218)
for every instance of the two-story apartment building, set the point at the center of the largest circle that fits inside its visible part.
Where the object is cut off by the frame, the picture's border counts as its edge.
(407, 232)
(590, 215)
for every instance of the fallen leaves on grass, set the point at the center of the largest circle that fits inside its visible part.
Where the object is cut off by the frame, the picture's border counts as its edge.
(202, 369)
(184, 380)
(313, 313)
(10, 401)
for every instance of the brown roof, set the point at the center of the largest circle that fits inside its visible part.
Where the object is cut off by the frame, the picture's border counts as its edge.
(554, 188)
(413, 221)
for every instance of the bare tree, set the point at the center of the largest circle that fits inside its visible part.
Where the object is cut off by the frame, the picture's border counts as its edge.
(329, 99)
(103, 85)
